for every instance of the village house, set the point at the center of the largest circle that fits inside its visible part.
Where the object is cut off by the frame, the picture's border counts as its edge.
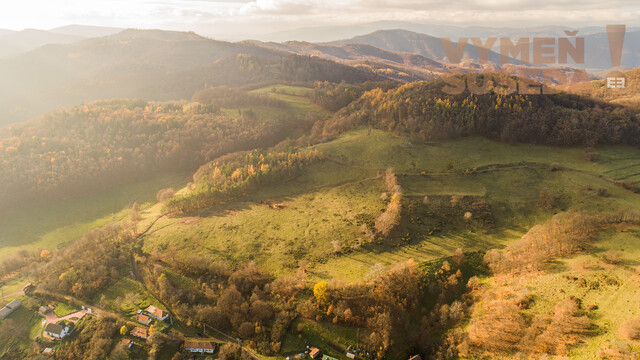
(11, 307)
(314, 352)
(44, 310)
(127, 343)
(145, 320)
(140, 332)
(157, 313)
(201, 347)
(57, 331)
(327, 357)
(48, 351)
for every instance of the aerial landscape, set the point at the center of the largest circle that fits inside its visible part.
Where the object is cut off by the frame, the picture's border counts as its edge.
(306, 180)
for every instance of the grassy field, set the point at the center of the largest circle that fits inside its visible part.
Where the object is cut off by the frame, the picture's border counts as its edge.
(613, 289)
(321, 211)
(54, 224)
(30, 323)
(62, 309)
(299, 109)
(295, 96)
(126, 296)
(12, 289)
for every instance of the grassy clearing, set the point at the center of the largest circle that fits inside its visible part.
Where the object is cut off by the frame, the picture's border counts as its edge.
(295, 96)
(299, 106)
(331, 339)
(277, 239)
(54, 224)
(62, 309)
(380, 150)
(126, 296)
(12, 289)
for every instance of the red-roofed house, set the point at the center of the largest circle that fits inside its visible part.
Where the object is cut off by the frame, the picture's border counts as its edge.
(140, 332)
(157, 313)
(145, 320)
(197, 346)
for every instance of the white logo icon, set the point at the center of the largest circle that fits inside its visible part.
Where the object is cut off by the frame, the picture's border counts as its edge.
(615, 82)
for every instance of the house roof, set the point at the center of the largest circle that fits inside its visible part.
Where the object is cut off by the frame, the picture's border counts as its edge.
(125, 342)
(139, 332)
(327, 357)
(54, 328)
(194, 344)
(159, 313)
(314, 351)
(14, 304)
(144, 318)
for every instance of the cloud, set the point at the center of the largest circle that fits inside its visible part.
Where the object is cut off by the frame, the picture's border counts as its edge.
(238, 17)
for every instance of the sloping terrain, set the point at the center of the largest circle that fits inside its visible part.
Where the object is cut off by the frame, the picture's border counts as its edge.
(150, 64)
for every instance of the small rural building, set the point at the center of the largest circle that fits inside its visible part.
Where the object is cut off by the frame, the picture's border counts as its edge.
(11, 307)
(144, 319)
(57, 331)
(127, 343)
(44, 310)
(327, 357)
(140, 332)
(157, 313)
(351, 355)
(48, 351)
(314, 352)
(198, 346)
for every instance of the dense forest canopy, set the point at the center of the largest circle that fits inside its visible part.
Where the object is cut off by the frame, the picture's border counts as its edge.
(89, 147)
(425, 110)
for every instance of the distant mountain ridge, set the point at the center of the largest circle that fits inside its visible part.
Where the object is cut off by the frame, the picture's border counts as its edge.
(17, 42)
(411, 42)
(335, 33)
(596, 46)
(87, 31)
(13, 43)
(150, 64)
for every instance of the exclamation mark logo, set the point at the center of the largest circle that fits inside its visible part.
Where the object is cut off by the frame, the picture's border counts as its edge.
(615, 33)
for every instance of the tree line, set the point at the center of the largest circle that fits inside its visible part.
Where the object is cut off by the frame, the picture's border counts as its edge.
(238, 174)
(424, 110)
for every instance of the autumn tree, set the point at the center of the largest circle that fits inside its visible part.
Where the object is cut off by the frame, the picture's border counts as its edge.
(320, 292)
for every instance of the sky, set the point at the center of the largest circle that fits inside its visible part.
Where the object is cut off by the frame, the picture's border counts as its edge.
(240, 18)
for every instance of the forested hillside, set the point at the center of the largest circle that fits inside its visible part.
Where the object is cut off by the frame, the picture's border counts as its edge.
(426, 110)
(87, 148)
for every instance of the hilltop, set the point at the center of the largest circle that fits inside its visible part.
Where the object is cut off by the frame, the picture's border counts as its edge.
(427, 111)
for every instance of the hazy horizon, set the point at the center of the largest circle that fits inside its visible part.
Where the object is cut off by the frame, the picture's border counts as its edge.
(237, 19)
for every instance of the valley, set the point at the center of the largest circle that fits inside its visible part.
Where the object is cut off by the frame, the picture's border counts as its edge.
(265, 200)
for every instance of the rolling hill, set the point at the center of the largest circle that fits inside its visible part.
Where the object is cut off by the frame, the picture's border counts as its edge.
(426, 111)
(290, 253)
(135, 64)
(21, 41)
(597, 89)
